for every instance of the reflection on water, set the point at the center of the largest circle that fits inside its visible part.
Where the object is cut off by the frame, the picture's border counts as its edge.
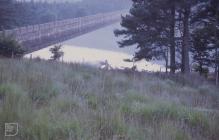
(95, 57)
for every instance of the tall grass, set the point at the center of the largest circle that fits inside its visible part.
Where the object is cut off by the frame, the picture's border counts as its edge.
(59, 101)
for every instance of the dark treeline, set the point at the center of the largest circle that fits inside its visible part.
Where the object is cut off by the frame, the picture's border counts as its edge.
(184, 33)
(14, 13)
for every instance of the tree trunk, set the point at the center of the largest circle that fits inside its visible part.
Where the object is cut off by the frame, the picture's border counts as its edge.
(167, 60)
(216, 65)
(216, 48)
(200, 69)
(172, 35)
(185, 47)
(217, 76)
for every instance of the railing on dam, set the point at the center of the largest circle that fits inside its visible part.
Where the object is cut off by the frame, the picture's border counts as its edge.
(35, 37)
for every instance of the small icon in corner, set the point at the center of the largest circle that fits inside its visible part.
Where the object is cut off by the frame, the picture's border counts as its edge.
(11, 129)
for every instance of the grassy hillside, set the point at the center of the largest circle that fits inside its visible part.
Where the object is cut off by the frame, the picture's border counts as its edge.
(56, 101)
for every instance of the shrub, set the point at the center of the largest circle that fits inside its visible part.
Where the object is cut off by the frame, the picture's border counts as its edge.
(56, 51)
(10, 48)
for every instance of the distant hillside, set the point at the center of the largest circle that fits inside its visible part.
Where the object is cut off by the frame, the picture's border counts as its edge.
(58, 101)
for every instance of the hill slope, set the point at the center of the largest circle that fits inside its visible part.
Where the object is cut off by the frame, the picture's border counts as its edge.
(56, 101)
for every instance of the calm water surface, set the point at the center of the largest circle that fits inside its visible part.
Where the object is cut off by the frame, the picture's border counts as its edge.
(96, 47)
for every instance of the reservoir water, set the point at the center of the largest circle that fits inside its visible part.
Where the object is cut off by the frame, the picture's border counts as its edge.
(97, 47)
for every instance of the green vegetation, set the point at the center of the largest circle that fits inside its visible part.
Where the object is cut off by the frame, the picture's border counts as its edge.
(174, 31)
(53, 101)
(57, 53)
(10, 48)
(19, 13)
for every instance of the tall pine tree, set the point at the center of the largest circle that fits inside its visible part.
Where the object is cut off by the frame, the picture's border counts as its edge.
(206, 20)
(150, 25)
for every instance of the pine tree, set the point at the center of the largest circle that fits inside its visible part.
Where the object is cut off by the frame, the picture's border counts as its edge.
(186, 34)
(150, 25)
(202, 50)
(206, 19)
(184, 13)
(172, 36)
